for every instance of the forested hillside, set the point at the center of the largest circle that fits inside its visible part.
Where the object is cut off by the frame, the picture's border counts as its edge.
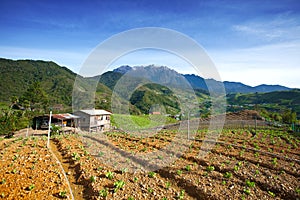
(17, 76)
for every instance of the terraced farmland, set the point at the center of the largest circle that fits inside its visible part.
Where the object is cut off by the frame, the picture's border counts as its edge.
(239, 166)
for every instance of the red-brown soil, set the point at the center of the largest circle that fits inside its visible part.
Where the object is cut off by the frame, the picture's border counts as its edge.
(239, 166)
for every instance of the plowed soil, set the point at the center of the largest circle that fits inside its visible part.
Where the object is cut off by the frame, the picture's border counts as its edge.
(239, 166)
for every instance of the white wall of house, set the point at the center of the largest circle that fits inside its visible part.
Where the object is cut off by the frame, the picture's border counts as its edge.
(84, 120)
(91, 121)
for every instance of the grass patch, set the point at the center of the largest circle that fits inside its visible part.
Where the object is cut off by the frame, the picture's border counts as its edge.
(137, 122)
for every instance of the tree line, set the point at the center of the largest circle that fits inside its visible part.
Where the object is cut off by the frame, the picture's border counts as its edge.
(21, 110)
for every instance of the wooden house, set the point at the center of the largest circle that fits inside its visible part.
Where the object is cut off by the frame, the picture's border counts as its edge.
(93, 120)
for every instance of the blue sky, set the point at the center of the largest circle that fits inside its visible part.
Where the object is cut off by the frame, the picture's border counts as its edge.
(253, 42)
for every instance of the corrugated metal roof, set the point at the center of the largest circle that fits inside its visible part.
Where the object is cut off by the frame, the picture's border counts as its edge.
(64, 116)
(96, 112)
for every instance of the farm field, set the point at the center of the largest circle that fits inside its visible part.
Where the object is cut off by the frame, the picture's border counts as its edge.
(28, 170)
(239, 166)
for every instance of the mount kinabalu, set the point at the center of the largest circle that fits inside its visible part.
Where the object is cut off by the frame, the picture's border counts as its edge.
(168, 76)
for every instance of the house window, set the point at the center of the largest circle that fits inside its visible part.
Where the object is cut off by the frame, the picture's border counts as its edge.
(83, 119)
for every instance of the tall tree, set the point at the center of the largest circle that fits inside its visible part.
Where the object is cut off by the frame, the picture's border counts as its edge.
(35, 97)
(289, 117)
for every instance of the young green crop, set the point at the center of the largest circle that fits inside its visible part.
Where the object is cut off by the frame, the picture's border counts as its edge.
(274, 161)
(62, 194)
(179, 172)
(272, 194)
(247, 191)
(168, 184)
(124, 170)
(3, 181)
(103, 193)
(210, 168)
(30, 187)
(93, 179)
(188, 168)
(151, 174)
(236, 168)
(118, 185)
(181, 194)
(250, 184)
(150, 190)
(109, 175)
(15, 157)
(75, 156)
(242, 152)
(100, 154)
(227, 175)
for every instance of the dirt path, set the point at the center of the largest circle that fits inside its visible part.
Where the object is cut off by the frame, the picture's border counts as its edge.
(77, 189)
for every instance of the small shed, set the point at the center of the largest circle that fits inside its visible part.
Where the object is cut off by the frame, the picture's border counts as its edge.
(93, 120)
(63, 120)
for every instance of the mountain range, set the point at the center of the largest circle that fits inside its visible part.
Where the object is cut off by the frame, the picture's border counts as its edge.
(149, 84)
(198, 82)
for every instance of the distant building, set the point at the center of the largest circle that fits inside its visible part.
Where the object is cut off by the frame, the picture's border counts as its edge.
(93, 120)
(155, 113)
(57, 107)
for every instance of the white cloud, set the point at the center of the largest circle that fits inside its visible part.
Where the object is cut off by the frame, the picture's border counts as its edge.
(283, 27)
(269, 64)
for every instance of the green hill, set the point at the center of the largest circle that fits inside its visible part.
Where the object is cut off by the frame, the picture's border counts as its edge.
(57, 82)
(145, 97)
(17, 76)
(277, 101)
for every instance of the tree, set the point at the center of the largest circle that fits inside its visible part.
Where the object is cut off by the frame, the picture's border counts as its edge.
(289, 117)
(35, 98)
(14, 100)
(12, 120)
